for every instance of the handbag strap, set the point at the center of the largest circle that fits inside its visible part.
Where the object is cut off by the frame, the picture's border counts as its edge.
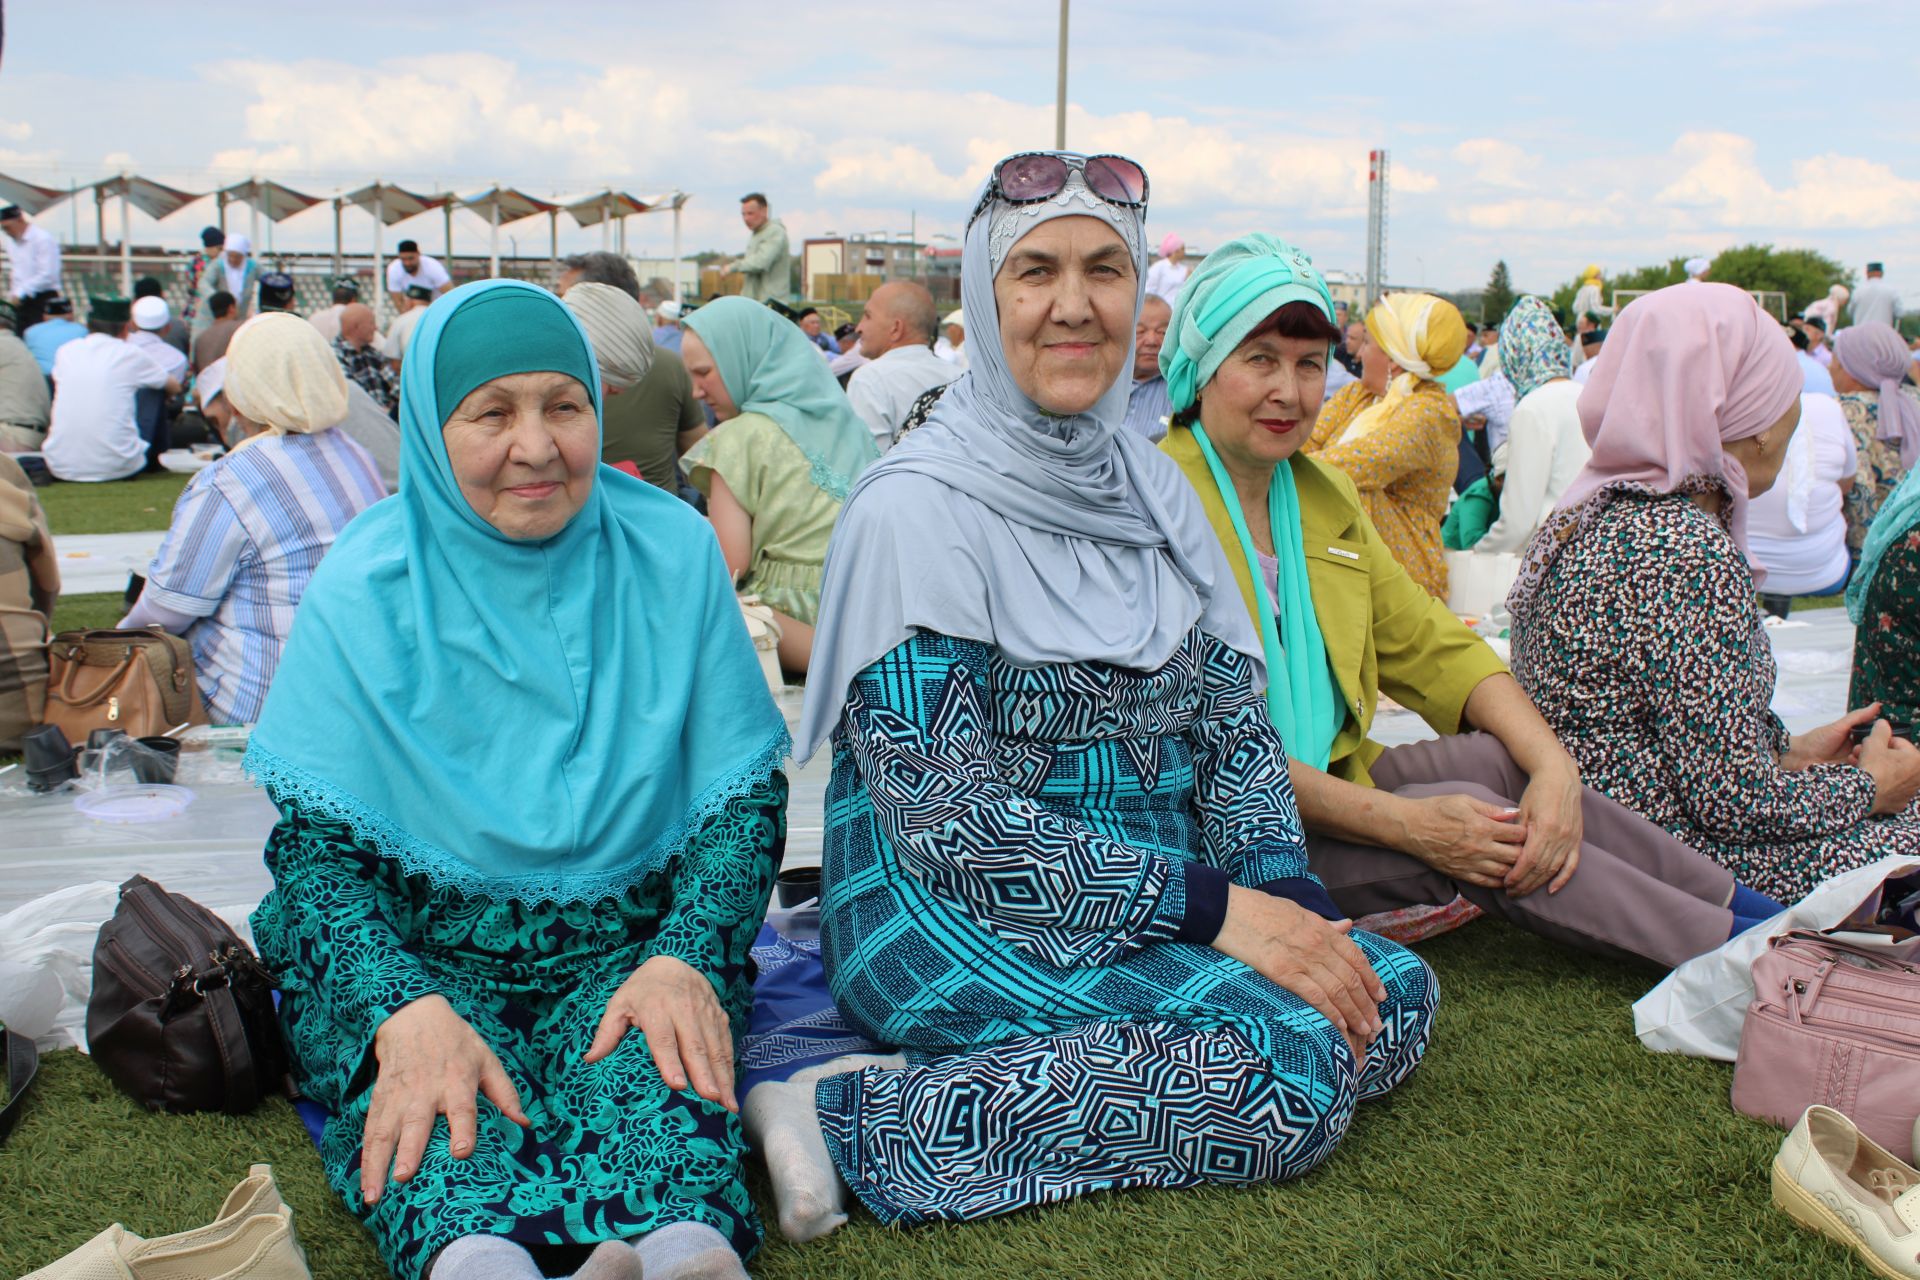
(23, 1061)
(236, 1055)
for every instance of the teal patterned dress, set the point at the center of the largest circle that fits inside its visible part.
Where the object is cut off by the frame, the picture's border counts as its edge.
(613, 1153)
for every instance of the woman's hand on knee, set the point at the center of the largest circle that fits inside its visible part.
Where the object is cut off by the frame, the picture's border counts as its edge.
(1462, 837)
(1312, 957)
(1551, 815)
(431, 1063)
(687, 1032)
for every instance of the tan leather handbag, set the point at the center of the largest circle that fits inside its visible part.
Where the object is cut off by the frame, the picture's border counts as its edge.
(139, 681)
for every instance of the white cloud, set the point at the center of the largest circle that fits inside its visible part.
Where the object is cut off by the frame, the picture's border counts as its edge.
(1496, 163)
(1721, 184)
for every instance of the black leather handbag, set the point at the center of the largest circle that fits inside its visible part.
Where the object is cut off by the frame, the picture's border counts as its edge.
(181, 1014)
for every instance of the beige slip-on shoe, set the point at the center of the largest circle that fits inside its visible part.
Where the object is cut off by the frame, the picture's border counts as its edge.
(255, 1226)
(1831, 1178)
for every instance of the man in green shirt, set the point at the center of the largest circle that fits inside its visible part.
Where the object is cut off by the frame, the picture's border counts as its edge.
(763, 267)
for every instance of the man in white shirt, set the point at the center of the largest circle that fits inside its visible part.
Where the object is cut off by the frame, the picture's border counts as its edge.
(33, 265)
(896, 336)
(94, 435)
(953, 339)
(413, 268)
(151, 316)
(1875, 300)
(413, 304)
(346, 293)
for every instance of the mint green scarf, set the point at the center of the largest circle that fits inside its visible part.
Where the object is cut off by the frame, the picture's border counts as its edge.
(1302, 700)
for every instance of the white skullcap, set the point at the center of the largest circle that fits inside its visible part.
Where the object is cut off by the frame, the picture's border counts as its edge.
(212, 380)
(1698, 266)
(668, 310)
(617, 327)
(239, 244)
(152, 313)
(956, 316)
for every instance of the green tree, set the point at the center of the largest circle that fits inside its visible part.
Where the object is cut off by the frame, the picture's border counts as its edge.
(1802, 274)
(1497, 298)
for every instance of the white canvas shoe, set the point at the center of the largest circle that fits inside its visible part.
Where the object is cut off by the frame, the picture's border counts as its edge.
(1831, 1178)
(252, 1237)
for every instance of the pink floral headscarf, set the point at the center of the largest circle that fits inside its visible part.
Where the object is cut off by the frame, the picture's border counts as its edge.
(1685, 371)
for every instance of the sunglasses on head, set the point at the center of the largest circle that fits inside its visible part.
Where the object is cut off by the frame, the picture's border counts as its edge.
(1034, 176)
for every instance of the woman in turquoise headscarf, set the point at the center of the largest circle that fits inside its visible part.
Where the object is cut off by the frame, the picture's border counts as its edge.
(531, 809)
(1884, 602)
(1499, 816)
(776, 473)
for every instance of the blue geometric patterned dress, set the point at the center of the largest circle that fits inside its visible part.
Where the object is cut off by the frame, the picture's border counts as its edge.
(1023, 867)
(613, 1153)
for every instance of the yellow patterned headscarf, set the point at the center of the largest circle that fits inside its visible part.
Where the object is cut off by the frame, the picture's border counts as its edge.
(1423, 334)
(1591, 275)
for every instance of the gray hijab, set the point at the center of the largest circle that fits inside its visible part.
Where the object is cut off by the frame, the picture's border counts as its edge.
(1056, 540)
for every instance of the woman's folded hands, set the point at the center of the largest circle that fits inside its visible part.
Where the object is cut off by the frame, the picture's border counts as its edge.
(1310, 956)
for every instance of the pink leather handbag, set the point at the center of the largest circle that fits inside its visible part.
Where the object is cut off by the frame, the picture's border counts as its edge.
(1837, 1024)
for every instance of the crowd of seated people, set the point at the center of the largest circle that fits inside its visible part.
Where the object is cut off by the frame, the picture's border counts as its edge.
(1098, 686)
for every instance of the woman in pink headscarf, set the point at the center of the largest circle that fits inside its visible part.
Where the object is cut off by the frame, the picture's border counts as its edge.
(1168, 274)
(1634, 625)
(1870, 362)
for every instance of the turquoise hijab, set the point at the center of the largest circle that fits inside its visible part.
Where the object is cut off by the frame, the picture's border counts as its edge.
(770, 368)
(1898, 516)
(517, 720)
(1226, 298)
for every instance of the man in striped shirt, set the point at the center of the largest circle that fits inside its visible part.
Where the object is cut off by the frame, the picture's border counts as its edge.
(249, 531)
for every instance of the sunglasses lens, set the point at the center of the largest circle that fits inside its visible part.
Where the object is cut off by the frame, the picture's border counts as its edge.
(1116, 178)
(1032, 177)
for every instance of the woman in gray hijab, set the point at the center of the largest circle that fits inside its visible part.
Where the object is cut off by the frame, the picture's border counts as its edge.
(1063, 869)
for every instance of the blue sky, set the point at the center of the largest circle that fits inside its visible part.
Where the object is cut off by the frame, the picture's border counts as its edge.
(1550, 133)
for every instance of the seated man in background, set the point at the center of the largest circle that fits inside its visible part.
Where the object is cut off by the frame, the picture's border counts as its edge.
(816, 330)
(94, 434)
(400, 332)
(650, 415)
(896, 336)
(29, 586)
(346, 292)
(25, 403)
(213, 340)
(357, 348)
(156, 410)
(174, 331)
(53, 333)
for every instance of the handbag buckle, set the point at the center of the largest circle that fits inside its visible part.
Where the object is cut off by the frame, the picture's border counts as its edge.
(113, 709)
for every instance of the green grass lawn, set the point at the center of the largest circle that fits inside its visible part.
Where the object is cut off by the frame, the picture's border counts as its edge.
(118, 506)
(1538, 1140)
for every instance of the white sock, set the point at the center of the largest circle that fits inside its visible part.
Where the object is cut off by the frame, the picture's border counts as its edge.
(688, 1251)
(784, 1125)
(612, 1260)
(481, 1257)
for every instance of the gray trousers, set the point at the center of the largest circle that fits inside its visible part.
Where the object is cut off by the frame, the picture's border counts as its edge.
(1638, 893)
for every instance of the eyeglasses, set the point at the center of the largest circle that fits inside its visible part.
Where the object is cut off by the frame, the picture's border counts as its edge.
(1033, 176)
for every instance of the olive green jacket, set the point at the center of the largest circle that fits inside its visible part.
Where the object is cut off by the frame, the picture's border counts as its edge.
(1383, 632)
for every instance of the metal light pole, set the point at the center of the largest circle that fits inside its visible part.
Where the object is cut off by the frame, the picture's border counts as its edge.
(1060, 93)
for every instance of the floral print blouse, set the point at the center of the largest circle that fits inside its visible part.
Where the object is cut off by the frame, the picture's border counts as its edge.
(1886, 645)
(1643, 649)
(1404, 469)
(1880, 470)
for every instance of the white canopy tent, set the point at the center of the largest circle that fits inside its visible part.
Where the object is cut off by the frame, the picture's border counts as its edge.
(504, 204)
(28, 195)
(263, 196)
(388, 204)
(154, 199)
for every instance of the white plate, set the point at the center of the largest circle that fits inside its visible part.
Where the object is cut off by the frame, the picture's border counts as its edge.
(182, 461)
(141, 802)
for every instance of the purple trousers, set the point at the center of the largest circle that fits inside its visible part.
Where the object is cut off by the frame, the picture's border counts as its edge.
(1638, 893)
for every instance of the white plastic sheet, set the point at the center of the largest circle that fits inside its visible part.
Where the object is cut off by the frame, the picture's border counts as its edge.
(1699, 1008)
